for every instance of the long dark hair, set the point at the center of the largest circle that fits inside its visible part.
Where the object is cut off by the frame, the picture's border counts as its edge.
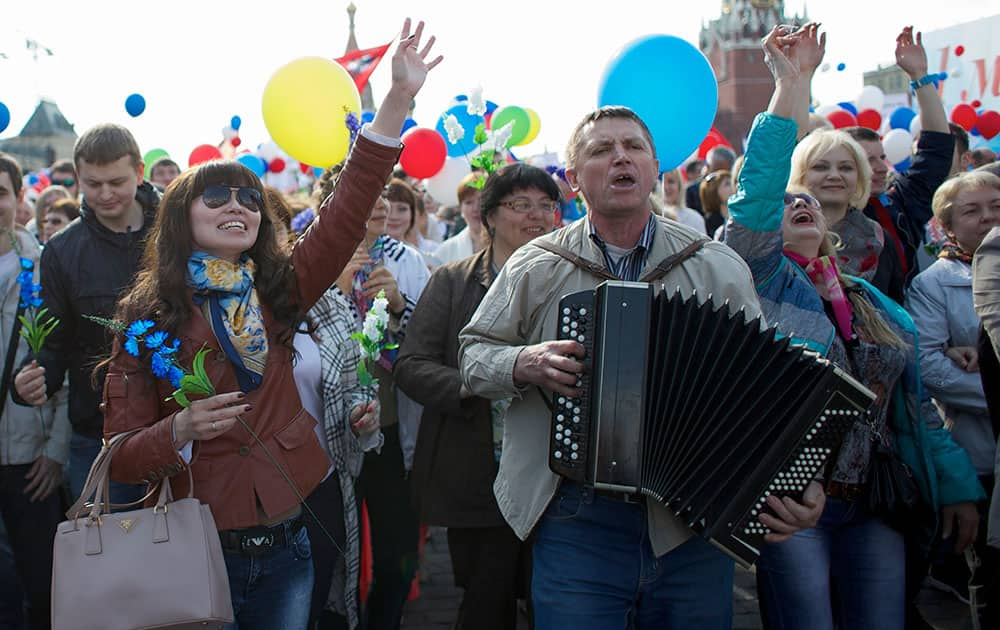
(160, 291)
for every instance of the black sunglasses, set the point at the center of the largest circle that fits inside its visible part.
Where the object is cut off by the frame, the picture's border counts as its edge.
(218, 195)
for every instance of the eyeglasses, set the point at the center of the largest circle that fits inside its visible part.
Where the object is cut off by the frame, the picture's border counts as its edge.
(522, 206)
(218, 195)
(66, 183)
(790, 199)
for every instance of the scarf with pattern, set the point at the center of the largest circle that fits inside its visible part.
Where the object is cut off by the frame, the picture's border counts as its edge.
(826, 278)
(225, 292)
(862, 241)
(950, 249)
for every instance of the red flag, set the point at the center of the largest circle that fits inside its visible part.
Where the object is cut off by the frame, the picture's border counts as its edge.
(361, 63)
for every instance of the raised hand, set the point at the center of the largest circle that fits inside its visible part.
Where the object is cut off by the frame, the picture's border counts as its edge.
(808, 49)
(777, 45)
(409, 61)
(910, 53)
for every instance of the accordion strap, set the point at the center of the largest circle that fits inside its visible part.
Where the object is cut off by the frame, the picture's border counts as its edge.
(671, 261)
(663, 268)
(579, 261)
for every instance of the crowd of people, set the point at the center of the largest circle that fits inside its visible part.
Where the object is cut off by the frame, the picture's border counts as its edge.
(305, 463)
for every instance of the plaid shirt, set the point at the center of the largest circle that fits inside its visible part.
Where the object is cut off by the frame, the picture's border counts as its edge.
(628, 267)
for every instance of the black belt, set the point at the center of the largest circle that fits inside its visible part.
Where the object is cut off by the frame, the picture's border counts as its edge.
(254, 541)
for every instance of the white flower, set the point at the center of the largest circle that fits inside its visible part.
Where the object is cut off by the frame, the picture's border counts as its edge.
(500, 137)
(370, 329)
(380, 310)
(453, 129)
(476, 106)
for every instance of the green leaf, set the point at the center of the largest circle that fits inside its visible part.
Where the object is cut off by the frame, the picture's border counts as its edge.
(364, 377)
(480, 137)
(198, 366)
(180, 398)
(191, 384)
(113, 324)
(390, 346)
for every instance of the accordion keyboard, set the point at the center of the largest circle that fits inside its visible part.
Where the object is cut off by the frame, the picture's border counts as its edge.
(570, 429)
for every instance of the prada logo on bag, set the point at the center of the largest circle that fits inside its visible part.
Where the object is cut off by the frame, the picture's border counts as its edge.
(127, 524)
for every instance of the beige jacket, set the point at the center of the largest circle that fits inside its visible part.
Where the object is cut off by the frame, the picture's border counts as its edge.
(986, 294)
(520, 310)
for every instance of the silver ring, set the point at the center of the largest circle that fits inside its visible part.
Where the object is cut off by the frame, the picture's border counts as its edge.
(213, 425)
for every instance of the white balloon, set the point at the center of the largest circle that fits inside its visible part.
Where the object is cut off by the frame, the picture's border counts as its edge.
(824, 67)
(955, 72)
(269, 150)
(228, 132)
(897, 145)
(823, 110)
(915, 126)
(444, 186)
(871, 97)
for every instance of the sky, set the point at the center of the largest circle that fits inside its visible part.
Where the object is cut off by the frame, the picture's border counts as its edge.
(199, 62)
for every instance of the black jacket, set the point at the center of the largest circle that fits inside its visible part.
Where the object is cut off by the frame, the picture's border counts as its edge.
(84, 269)
(908, 201)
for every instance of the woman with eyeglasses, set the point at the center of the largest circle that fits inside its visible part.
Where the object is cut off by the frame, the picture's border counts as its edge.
(458, 447)
(215, 276)
(849, 569)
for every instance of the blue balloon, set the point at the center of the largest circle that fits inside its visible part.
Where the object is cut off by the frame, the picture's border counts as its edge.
(318, 172)
(465, 144)
(646, 76)
(4, 117)
(994, 143)
(841, 66)
(490, 107)
(901, 118)
(32, 179)
(849, 107)
(367, 117)
(135, 104)
(407, 124)
(974, 131)
(254, 163)
(235, 122)
(461, 97)
(902, 167)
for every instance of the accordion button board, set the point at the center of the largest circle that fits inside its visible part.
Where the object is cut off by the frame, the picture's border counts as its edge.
(727, 413)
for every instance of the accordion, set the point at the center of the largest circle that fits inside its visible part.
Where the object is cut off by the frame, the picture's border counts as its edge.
(697, 408)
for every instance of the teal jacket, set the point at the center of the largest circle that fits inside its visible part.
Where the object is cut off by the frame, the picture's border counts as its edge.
(790, 302)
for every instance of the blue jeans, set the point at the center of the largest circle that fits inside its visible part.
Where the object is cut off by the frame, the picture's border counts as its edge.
(849, 570)
(82, 453)
(594, 568)
(274, 589)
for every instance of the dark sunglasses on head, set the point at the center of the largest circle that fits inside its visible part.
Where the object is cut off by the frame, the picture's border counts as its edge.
(66, 183)
(806, 197)
(218, 195)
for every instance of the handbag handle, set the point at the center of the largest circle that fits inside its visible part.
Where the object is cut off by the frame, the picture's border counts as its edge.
(98, 483)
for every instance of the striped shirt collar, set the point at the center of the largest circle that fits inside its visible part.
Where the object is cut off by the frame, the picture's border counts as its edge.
(628, 267)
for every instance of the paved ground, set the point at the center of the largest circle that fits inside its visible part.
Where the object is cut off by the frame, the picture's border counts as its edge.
(439, 598)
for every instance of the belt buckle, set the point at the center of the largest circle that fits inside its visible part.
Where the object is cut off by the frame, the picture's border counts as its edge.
(257, 543)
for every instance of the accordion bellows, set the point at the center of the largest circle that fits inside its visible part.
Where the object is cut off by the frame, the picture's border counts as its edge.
(698, 408)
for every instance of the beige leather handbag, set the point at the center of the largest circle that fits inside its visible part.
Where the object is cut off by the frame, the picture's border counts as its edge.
(160, 567)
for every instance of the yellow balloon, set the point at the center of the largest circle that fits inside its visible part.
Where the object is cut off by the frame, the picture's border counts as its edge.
(536, 126)
(305, 105)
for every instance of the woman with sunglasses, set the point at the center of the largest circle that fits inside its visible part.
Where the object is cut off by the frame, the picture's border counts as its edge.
(849, 569)
(458, 446)
(216, 276)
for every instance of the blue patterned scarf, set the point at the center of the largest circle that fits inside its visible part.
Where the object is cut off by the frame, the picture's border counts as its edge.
(226, 295)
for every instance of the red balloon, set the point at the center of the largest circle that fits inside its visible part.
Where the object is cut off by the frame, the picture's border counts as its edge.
(276, 165)
(424, 152)
(870, 118)
(842, 118)
(988, 124)
(204, 153)
(305, 168)
(236, 141)
(964, 115)
(976, 103)
(959, 50)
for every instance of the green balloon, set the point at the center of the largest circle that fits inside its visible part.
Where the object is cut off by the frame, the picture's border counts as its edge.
(516, 115)
(151, 157)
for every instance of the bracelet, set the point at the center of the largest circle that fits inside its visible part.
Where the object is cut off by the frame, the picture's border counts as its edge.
(927, 79)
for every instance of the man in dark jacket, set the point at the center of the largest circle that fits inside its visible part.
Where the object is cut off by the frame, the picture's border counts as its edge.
(904, 208)
(84, 269)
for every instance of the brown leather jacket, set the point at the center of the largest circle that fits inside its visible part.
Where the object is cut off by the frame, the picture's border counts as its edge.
(231, 473)
(453, 465)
